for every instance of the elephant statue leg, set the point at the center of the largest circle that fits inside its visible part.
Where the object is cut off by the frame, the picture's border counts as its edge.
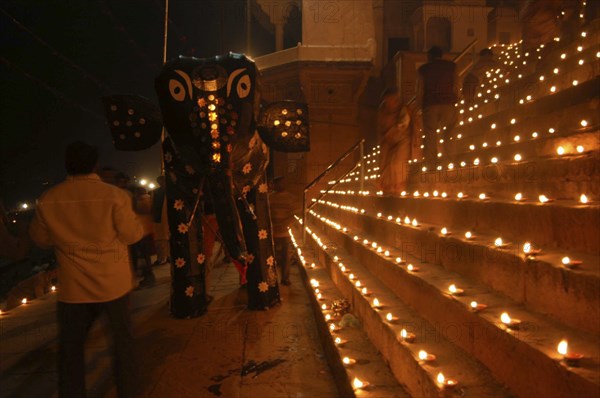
(188, 261)
(263, 289)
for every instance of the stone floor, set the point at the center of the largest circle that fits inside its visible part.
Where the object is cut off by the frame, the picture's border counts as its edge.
(228, 352)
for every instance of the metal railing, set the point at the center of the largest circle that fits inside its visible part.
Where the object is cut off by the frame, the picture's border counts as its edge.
(360, 145)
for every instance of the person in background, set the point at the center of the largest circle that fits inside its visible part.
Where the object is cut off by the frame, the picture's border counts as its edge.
(161, 224)
(145, 247)
(437, 92)
(393, 126)
(281, 204)
(14, 245)
(89, 224)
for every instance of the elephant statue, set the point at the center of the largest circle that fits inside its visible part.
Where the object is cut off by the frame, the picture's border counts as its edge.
(215, 151)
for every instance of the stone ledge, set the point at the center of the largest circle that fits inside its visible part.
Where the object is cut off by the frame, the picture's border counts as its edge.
(514, 358)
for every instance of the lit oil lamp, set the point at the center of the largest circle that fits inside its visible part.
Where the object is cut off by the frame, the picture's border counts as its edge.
(323, 306)
(530, 250)
(391, 318)
(53, 289)
(376, 303)
(336, 259)
(500, 243)
(374, 245)
(357, 284)
(347, 361)
(320, 296)
(24, 301)
(446, 383)
(412, 268)
(339, 342)
(359, 384)
(444, 231)
(313, 265)
(583, 199)
(406, 220)
(482, 196)
(379, 249)
(332, 328)
(351, 277)
(519, 197)
(476, 307)
(399, 260)
(571, 358)
(543, 199)
(386, 253)
(314, 283)
(469, 235)
(328, 317)
(365, 291)
(454, 290)
(415, 223)
(426, 357)
(407, 336)
(567, 262)
(510, 323)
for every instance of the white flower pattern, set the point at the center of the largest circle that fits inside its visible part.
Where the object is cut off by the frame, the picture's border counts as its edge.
(247, 168)
(262, 234)
(201, 257)
(263, 188)
(178, 205)
(270, 260)
(263, 287)
(180, 262)
(182, 228)
(189, 291)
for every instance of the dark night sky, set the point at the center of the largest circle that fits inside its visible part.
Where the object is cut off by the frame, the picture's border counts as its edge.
(58, 57)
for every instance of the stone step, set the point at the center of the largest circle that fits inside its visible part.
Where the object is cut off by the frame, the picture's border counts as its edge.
(556, 226)
(571, 296)
(562, 112)
(370, 366)
(532, 85)
(418, 377)
(525, 360)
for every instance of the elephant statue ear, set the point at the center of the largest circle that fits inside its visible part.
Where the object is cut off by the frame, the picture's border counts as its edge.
(283, 126)
(134, 121)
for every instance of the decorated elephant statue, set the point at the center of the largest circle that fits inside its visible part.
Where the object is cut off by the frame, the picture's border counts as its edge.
(215, 149)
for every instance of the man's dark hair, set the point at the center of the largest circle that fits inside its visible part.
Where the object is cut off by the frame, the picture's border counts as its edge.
(486, 52)
(435, 52)
(80, 158)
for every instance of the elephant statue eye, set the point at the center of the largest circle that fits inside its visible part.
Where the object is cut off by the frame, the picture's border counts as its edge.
(243, 86)
(177, 90)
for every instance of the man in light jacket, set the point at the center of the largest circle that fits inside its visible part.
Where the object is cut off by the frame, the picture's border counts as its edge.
(89, 224)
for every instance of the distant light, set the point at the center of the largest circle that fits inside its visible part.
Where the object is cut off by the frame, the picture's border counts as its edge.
(25, 206)
(151, 186)
(143, 182)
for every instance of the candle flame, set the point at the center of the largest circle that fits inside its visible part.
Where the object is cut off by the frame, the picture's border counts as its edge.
(526, 247)
(519, 196)
(364, 290)
(376, 302)
(357, 283)
(398, 260)
(410, 267)
(563, 347)
(505, 318)
(543, 198)
(560, 150)
(566, 260)
(583, 198)
(24, 301)
(403, 333)
(473, 304)
(357, 383)
(324, 306)
(498, 242)
(338, 340)
(444, 231)
(351, 276)
(332, 327)
(452, 288)
(327, 317)
(422, 355)
(414, 222)
(440, 378)
(314, 282)
(468, 235)
(389, 316)
(53, 288)
(406, 220)
(346, 360)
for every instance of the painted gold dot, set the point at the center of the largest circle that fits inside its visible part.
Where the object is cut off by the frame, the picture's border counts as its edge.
(276, 122)
(284, 134)
(288, 123)
(284, 112)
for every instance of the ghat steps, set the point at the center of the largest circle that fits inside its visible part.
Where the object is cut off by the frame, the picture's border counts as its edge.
(535, 134)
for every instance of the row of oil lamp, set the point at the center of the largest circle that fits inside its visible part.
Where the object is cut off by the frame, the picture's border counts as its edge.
(571, 358)
(24, 300)
(528, 248)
